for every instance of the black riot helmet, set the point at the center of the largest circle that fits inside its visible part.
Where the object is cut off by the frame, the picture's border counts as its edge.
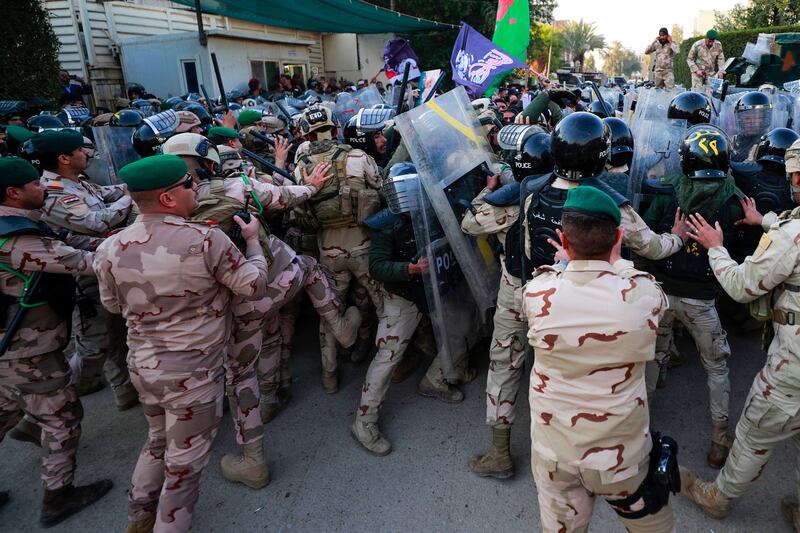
(580, 145)
(199, 110)
(38, 123)
(145, 141)
(772, 147)
(134, 89)
(753, 100)
(534, 157)
(705, 153)
(30, 153)
(126, 118)
(354, 136)
(600, 109)
(692, 106)
(621, 142)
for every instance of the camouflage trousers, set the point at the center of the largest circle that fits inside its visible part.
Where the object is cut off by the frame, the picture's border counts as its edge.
(699, 83)
(567, 493)
(273, 362)
(396, 328)
(100, 346)
(347, 260)
(183, 411)
(39, 388)
(247, 338)
(506, 354)
(767, 420)
(702, 322)
(663, 79)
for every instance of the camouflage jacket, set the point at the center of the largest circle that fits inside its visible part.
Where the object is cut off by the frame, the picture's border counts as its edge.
(663, 54)
(774, 264)
(172, 281)
(83, 207)
(707, 60)
(42, 330)
(587, 389)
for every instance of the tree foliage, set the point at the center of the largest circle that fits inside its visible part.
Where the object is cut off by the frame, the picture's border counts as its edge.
(759, 14)
(676, 33)
(579, 38)
(539, 48)
(28, 52)
(620, 61)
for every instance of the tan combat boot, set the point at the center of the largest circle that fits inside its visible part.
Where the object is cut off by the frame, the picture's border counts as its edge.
(441, 390)
(126, 398)
(27, 431)
(705, 494)
(369, 436)
(343, 326)
(142, 526)
(330, 382)
(497, 462)
(272, 405)
(250, 468)
(720, 445)
(791, 511)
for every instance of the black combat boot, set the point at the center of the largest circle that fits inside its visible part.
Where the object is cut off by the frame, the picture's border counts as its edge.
(62, 503)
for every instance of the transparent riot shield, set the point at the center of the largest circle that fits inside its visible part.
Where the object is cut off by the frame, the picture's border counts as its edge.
(115, 147)
(367, 97)
(344, 109)
(651, 106)
(655, 154)
(629, 105)
(448, 148)
(782, 104)
(458, 321)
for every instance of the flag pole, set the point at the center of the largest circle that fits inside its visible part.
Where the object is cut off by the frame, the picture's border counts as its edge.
(550, 51)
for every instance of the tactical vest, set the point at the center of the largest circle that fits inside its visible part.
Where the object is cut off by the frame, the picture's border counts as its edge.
(219, 208)
(690, 263)
(771, 192)
(343, 200)
(404, 249)
(55, 290)
(514, 248)
(543, 218)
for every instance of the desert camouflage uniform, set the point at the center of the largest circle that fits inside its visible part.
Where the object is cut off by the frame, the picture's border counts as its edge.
(88, 209)
(772, 410)
(173, 281)
(664, 77)
(344, 251)
(707, 60)
(593, 326)
(290, 273)
(34, 376)
(507, 351)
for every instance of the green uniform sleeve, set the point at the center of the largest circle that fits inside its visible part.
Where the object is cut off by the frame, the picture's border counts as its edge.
(382, 267)
(537, 105)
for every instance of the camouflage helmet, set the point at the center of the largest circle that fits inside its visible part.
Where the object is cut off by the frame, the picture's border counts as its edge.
(273, 123)
(188, 120)
(229, 158)
(192, 144)
(316, 119)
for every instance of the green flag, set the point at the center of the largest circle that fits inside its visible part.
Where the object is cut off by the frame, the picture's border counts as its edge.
(512, 32)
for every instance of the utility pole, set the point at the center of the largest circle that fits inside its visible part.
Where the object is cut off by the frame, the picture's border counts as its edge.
(550, 51)
(391, 4)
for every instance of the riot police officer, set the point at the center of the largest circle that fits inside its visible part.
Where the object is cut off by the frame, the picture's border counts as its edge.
(691, 106)
(753, 113)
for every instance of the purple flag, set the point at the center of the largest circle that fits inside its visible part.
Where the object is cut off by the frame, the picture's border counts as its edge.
(477, 61)
(395, 52)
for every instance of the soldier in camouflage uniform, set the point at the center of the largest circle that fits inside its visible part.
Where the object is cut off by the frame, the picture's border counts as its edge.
(218, 199)
(337, 212)
(34, 376)
(84, 208)
(665, 49)
(589, 415)
(706, 60)
(771, 413)
(177, 330)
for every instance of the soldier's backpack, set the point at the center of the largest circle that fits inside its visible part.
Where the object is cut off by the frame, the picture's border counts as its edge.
(344, 200)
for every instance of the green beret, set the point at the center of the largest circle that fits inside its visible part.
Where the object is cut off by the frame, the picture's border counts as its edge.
(57, 142)
(248, 116)
(591, 201)
(712, 34)
(16, 172)
(18, 133)
(155, 172)
(223, 133)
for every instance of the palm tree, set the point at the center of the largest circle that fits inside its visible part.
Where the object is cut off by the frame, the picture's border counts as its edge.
(579, 38)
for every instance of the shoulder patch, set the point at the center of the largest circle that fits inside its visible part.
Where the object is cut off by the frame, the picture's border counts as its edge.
(763, 245)
(74, 204)
(55, 185)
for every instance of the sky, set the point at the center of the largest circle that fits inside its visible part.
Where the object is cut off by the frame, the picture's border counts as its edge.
(636, 23)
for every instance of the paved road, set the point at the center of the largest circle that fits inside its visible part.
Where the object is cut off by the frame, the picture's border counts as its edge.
(323, 481)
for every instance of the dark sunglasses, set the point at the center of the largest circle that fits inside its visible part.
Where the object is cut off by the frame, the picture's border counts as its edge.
(187, 183)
